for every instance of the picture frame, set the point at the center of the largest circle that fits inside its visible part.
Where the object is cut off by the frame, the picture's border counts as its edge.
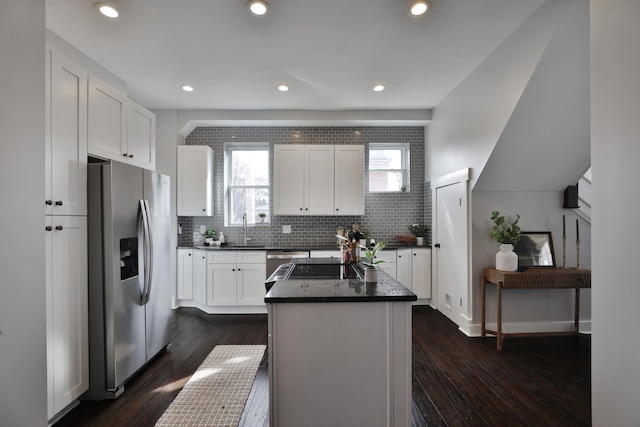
(535, 250)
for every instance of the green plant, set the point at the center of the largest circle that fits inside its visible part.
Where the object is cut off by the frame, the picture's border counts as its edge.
(370, 255)
(262, 214)
(420, 230)
(210, 233)
(502, 231)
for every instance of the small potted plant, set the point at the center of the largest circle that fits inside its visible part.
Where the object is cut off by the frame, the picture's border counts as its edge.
(209, 235)
(420, 230)
(507, 234)
(262, 216)
(370, 263)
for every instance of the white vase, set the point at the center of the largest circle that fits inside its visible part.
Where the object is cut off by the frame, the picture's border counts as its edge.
(419, 241)
(506, 259)
(370, 275)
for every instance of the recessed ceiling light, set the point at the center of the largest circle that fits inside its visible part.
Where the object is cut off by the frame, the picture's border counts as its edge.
(258, 7)
(378, 88)
(420, 7)
(283, 88)
(108, 9)
(187, 88)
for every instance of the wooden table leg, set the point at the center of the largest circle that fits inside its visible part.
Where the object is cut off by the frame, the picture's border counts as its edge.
(484, 288)
(499, 316)
(576, 325)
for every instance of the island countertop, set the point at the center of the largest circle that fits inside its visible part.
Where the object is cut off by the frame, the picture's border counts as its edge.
(346, 290)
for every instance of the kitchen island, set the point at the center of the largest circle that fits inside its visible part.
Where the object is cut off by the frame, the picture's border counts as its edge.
(340, 352)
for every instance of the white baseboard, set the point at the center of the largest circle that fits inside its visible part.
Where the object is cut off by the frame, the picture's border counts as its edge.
(475, 329)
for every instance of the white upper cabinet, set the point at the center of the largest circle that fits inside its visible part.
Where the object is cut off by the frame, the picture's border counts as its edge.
(319, 179)
(141, 136)
(289, 171)
(306, 180)
(195, 180)
(119, 128)
(107, 131)
(349, 167)
(66, 137)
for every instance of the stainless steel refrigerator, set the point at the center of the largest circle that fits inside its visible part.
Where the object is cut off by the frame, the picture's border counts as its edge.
(129, 283)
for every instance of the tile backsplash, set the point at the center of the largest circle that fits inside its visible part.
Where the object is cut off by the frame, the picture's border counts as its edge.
(386, 214)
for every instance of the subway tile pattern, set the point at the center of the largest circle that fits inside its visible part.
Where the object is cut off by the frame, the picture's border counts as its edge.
(386, 214)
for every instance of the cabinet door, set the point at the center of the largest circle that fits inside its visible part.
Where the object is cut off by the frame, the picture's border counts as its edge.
(67, 310)
(221, 284)
(289, 167)
(403, 267)
(251, 290)
(421, 272)
(200, 277)
(66, 151)
(389, 264)
(185, 273)
(319, 180)
(195, 180)
(141, 136)
(106, 121)
(349, 184)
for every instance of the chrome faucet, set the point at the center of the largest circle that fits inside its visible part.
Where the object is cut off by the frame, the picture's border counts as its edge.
(244, 228)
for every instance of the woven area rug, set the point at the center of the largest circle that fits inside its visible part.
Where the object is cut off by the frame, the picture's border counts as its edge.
(216, 393)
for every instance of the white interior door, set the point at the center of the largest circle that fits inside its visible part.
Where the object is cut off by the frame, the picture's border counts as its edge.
(451, 255)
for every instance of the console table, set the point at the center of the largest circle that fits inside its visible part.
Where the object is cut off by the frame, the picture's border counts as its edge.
(533, 278)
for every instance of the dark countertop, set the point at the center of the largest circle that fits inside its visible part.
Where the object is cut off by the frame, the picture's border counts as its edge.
(310, 290)
(288, 248)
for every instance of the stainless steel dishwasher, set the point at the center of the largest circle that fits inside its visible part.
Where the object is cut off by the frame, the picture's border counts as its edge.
(275, 258)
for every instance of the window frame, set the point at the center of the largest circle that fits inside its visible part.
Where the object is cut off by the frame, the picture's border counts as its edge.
(229, 148)
(405, 158)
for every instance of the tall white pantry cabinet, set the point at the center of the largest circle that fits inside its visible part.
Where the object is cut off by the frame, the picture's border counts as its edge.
(65, 208)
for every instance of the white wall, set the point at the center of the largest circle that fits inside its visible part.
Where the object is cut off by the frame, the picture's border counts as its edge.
(529, 310)
(615, 149)
(167, 139)
(468, 123)
(23, 385)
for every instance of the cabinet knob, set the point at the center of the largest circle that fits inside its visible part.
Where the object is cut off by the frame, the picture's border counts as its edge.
(238, 269)
(48, 228)
(131, 156)
(414, 254)
(59, 227)
(204, 210)
(300, 208)
(124, 154)
(59, 203)
(437, 245)
(189, 254)
(48, 202)
(337, 209)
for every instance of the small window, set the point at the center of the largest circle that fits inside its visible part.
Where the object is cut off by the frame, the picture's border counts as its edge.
(247, 177)
(388, 167)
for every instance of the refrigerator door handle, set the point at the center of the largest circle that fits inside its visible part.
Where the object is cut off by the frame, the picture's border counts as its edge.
(146, 237)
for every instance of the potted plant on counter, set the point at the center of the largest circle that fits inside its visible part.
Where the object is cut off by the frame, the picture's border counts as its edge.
(420, 230)
(370, 263)
(507, 234)
(262, 215)
(209, 235)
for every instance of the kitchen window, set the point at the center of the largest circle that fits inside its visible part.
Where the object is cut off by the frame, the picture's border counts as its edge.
(247, 183)
(388, 167)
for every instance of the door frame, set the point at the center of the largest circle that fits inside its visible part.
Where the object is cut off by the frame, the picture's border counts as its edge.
(461, 177)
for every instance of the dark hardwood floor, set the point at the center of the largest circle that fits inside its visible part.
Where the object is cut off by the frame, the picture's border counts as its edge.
(457, 381)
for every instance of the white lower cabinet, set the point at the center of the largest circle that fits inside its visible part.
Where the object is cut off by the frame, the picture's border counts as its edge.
(389, 264)
(185, 274)
(414, 270)
(67, 310)
(200, 276)
(236, 278)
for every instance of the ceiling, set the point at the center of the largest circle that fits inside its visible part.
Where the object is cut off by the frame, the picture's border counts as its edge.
(330, 52)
